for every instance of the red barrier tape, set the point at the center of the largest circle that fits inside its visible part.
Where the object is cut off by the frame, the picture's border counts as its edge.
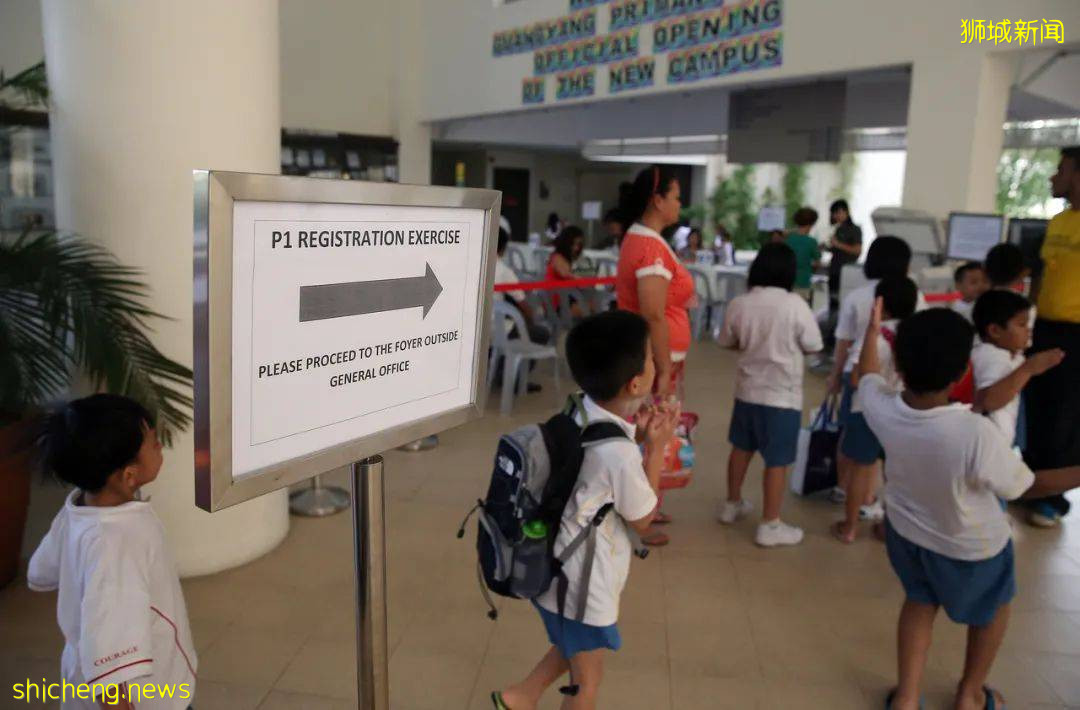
(610, 281)
(556, 285)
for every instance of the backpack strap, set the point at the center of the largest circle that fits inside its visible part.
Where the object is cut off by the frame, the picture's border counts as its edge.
(600, 432)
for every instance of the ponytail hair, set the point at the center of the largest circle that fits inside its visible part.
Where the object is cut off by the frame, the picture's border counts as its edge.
(633, 201)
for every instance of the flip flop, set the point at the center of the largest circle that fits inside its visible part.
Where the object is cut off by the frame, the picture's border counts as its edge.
(837, 532)
(892, 696)
(497, 701)
(991, 700)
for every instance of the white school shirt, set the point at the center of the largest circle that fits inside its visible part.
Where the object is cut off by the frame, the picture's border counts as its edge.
(855, 316)
(772, 328)
(945, 469)
(120, 606)
(991, 364)
(612, 472)
(505, 275)
(886, 363)
(964, 308)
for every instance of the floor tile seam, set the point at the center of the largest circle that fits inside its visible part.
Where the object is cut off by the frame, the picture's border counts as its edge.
(667, 633)
(288, 664)
(480, 666)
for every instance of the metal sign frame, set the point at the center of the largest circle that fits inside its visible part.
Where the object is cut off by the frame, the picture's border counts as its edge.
(215, 194)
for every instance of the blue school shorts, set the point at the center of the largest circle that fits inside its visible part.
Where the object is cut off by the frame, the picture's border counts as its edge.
(858, 442)
(573, 637)
(971, 592)
(774, 431)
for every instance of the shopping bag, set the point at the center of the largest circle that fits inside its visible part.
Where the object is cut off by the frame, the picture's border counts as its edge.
(815, 459)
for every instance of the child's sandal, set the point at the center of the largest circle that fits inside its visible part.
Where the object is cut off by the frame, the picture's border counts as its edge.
(892, 696)
(497, 701)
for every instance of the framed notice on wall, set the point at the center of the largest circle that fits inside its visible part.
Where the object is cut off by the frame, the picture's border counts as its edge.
(334, 319)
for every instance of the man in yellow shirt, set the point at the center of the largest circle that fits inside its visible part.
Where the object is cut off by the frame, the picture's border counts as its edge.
(1052, 400)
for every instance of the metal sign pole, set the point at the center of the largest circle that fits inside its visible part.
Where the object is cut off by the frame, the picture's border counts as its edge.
(369, 549)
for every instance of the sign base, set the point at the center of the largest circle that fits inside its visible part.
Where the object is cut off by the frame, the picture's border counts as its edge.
(318, 501)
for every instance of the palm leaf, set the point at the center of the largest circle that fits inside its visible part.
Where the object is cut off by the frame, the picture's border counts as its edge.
(67, 306)
(29, 86)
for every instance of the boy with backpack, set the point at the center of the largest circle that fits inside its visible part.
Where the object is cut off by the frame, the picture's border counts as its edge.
(611, 360)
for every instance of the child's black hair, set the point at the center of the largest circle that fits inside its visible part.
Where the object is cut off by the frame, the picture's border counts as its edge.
(932, 349)
(89, 439)
(805, 217)
(774, 265)
(899, 296)
(1004, 264)
(997, 307)
(958, 275)
(887, 257)
(606, 351)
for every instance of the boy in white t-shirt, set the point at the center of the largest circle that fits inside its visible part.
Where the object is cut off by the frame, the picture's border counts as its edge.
(611, 360)
(119, 605)
(772, 328)
(948, 538)
(997, 361)
(899, 296)
(971, 282)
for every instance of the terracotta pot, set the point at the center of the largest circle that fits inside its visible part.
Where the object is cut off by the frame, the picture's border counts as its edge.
(16, 464)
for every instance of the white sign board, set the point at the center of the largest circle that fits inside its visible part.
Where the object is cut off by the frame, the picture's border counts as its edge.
(353, 328)
(770, 219)
(591, 209)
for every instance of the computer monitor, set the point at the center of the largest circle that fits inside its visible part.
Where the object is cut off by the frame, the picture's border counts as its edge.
(971, 235)
(1028, 234)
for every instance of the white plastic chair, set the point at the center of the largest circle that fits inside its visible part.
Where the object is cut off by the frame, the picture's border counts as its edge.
(514, 353)
(540, 260)
(516, 259)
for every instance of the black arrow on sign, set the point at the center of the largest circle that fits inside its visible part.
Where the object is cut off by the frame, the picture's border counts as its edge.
(357, 298)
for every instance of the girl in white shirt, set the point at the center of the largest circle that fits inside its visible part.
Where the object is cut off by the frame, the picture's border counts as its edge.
(119, 602)
(772, 328)
(859, 444)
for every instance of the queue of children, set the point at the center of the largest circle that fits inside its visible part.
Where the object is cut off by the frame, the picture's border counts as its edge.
(949, 468)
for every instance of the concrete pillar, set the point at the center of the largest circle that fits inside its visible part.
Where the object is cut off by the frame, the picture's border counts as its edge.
(142, 94)
(412, 133)
(954, 134)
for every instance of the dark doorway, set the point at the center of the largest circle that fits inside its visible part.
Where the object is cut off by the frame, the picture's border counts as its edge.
(514, 185)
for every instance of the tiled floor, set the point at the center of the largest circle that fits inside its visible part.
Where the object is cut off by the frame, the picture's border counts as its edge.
(709, 622)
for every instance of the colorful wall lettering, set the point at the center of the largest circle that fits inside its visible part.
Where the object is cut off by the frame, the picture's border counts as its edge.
(728, 57)
(575, 84)
(544, 34)
(703, 39)
(595, 50)
(633, 74)
(726, 23)
(533, 90)
(629, 13)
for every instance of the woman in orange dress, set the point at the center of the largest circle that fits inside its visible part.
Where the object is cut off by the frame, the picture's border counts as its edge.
(651, 281)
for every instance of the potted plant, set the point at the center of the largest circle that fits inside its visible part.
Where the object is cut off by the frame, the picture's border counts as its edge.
(69, 311)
